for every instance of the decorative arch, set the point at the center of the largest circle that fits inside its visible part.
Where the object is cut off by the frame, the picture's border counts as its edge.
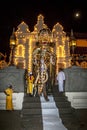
(20, 51)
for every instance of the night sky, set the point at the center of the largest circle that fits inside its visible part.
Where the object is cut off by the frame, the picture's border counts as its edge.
(63, 11)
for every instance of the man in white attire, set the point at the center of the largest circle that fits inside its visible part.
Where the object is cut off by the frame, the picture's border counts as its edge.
(61, 80)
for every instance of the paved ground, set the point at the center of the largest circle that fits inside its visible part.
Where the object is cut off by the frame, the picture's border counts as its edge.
(81, 114)
(12, 120)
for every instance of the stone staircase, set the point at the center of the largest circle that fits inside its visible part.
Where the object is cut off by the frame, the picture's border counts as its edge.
(31, 114)
(37, 114)
(67, 113)
(50, 115)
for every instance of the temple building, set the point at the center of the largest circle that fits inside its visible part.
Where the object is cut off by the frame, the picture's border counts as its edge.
(42, 52)
(26, 43)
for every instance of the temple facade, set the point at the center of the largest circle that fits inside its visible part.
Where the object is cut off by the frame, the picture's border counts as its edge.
(26, 43)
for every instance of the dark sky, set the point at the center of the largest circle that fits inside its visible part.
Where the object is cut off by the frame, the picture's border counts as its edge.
(63, 11)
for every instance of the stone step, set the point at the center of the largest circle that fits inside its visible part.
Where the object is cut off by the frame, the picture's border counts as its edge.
(32, 111)
(66, 115)
(32, 120)
(63, 104)
(32, 125)
(61, 98)
(31, 99)
(31, 105)
(34, 99)
(38, 111)
(55, 92)
(60, 95)
(58, 104)
(37, 104)
(37, 99)
(26, 117)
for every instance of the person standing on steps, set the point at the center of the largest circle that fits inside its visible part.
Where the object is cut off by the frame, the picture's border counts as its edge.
(61, 80)
(30, 84)
(9, 104)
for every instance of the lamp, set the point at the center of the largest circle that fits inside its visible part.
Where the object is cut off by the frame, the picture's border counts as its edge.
(72, 43)
(12, 46)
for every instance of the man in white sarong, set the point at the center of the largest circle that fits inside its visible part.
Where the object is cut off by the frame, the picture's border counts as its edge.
(61, 80)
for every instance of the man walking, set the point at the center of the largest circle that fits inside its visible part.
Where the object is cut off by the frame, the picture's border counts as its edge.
(61, 80)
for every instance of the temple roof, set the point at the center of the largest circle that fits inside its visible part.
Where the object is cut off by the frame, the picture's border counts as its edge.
(78, 35)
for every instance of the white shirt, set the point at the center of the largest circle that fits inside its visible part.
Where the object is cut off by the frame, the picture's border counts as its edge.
(61, 76)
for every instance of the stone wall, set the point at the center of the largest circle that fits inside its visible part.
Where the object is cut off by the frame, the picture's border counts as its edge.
(76, 86)
(76, 79)
(14, 76)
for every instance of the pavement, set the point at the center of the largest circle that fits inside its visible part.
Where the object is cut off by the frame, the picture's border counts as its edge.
(81, 115)
(11, 120)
